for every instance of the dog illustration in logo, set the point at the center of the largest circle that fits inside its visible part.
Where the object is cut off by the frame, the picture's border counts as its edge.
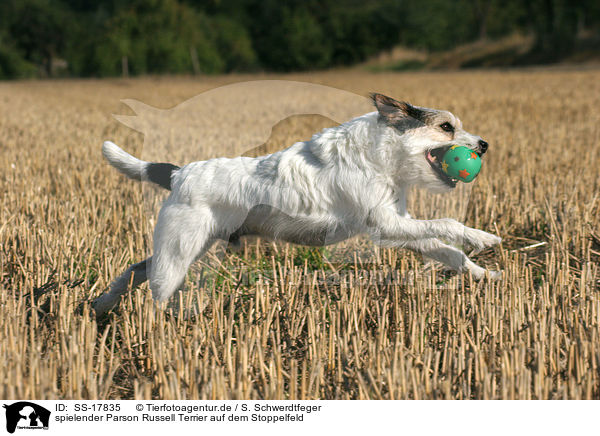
(24, 410)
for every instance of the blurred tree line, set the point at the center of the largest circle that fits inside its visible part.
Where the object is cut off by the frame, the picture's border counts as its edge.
(131, 37)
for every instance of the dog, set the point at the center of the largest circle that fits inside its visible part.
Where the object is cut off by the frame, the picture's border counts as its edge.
(348, 180)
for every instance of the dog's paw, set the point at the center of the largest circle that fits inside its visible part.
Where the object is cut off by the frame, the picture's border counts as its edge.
(495, 275)
(480, 273)
(479, 239)
(103, 304)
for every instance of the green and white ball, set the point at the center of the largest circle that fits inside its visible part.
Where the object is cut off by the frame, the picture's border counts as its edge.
(461, 163)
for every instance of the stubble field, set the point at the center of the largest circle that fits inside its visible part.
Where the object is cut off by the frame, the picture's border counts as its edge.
(276, 321)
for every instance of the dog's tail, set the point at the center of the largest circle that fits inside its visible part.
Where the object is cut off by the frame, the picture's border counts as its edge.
(134, 168)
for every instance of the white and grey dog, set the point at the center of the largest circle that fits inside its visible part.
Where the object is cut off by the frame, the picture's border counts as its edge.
(345, 181)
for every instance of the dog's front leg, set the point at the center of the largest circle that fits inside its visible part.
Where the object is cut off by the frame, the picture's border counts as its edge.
(449, 256)
(387, 225)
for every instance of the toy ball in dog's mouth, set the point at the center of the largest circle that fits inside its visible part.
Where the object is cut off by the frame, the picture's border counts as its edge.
(461, 163)
(455, 163)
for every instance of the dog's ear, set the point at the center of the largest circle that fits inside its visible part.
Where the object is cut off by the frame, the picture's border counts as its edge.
(394, 111)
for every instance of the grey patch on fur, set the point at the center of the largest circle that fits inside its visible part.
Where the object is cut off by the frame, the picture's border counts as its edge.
(422, 115)
(400, 114)
(309, 155)
(268, 166)
(404, 124)
(160, 173)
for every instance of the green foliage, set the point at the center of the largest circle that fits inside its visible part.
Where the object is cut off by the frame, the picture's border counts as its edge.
(39, 25)
(358, 30)
(12, 64)
(439, 24)
(303, 35)
(154, 37)
(555, 25)
(114, 37)
(303, 45)
(233, 44)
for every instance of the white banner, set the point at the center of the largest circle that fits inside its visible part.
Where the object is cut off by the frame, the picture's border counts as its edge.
(298, 417)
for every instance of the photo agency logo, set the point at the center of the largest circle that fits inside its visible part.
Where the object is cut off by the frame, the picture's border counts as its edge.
(249, 119)
(25, 415)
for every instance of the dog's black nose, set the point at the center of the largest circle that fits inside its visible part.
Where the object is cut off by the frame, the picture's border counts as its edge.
(483, 146)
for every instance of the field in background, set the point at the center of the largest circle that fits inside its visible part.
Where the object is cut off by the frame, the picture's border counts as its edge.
(280, 321)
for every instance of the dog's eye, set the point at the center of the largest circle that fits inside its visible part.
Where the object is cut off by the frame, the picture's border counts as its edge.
(447, 127)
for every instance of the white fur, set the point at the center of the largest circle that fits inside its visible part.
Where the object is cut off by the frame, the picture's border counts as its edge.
(124, 162)
(347, 180)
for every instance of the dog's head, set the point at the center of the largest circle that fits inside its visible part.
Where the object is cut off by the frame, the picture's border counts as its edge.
(414, 140)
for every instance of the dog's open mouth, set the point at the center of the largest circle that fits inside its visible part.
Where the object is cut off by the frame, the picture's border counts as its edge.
(434, 157)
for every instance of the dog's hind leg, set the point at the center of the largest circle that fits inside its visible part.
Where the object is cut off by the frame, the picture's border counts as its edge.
(136, 274)
(182, 235)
